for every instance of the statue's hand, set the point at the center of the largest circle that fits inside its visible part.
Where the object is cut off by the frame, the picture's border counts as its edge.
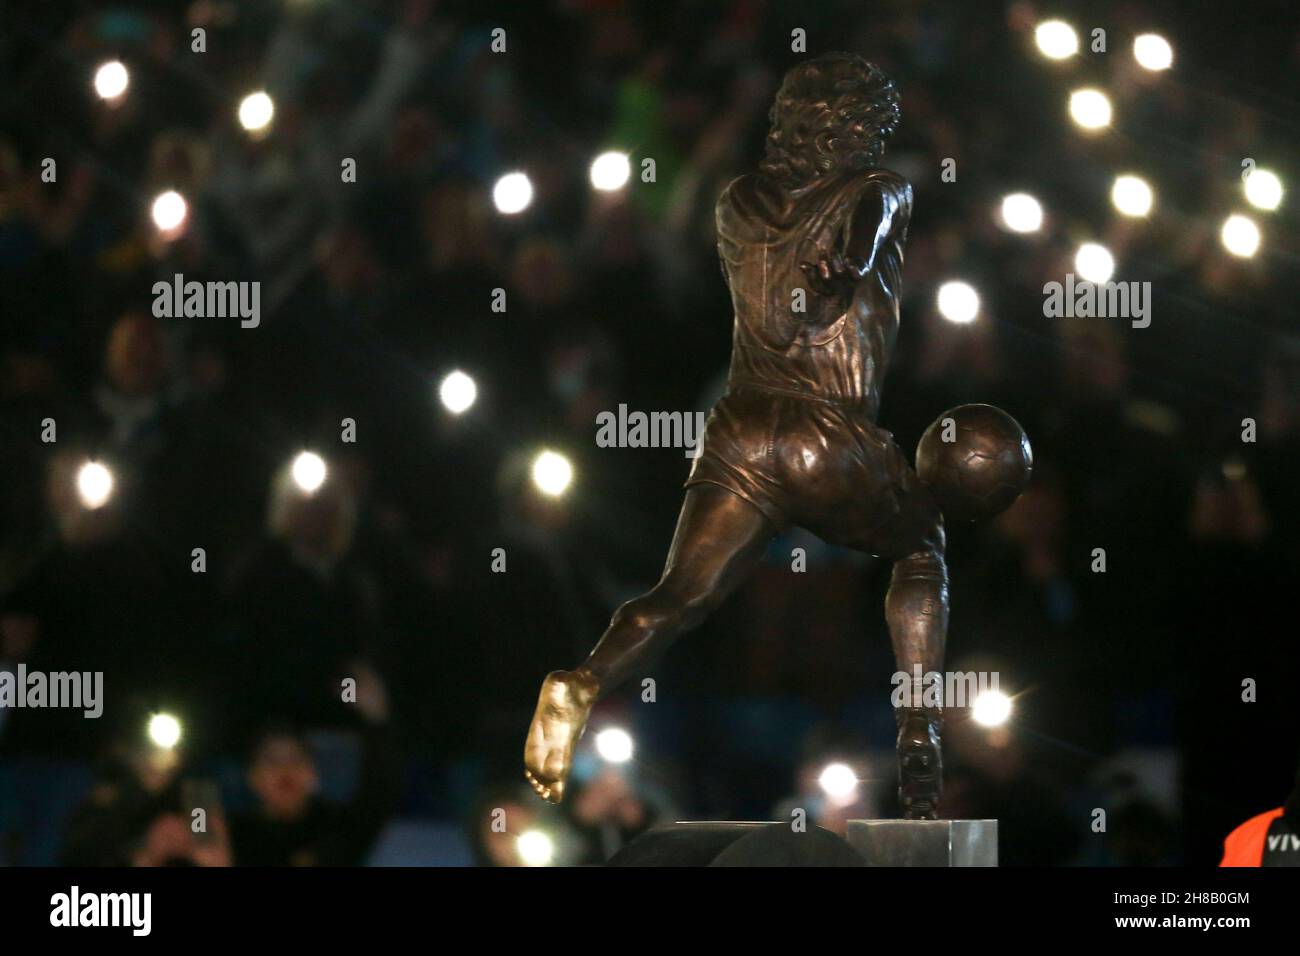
(834, 275)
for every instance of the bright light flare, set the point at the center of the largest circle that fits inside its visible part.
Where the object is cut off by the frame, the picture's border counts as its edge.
(309, 471)
(513, 193)
(256, 111)
(839, 782)
(958, 302)
(164, 731)
(614, 744)
(458, 392)
(1263, 189)
(552, 473)
(1056, 39)
(992, 708)
(1153, 52)
(94, 484)
(1090, 108)
(1021, 212)
(1240, 236)
(535, 848)
(610, 171)
(169, 210)
(1132, 195)
(111, 80)
(1094, 263)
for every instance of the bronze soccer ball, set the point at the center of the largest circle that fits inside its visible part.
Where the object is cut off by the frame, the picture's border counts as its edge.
(976, 460)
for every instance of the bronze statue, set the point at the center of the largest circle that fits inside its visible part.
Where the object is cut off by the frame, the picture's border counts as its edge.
(812, 249)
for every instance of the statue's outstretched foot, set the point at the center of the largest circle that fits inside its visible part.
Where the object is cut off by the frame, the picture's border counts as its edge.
(920, 763)
(562, 710)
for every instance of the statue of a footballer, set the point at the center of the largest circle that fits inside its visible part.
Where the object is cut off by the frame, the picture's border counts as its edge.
(794, 441)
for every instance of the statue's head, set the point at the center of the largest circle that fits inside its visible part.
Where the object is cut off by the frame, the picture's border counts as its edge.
(832, 113)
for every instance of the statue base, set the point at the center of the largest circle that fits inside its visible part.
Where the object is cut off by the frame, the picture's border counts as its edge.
(765, 843)
(925, 842)
(735, 843)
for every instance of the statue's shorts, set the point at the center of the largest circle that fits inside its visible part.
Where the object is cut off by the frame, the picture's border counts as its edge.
(818, 464)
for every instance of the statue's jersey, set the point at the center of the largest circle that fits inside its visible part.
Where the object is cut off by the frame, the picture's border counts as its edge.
(795, 435)
(832, 349)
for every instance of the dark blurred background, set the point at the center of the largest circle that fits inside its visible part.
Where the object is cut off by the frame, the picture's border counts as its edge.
(1127, 684)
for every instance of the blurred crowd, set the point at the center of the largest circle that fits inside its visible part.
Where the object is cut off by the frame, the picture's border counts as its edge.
(1128, 681)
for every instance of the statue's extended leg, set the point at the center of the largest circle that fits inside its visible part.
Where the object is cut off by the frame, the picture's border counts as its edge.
(916, 610)
(719, 537)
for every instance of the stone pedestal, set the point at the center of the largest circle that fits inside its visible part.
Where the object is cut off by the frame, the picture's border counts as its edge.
(925, 842)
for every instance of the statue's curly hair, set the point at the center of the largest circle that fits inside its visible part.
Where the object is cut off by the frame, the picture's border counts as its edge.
(833, 112)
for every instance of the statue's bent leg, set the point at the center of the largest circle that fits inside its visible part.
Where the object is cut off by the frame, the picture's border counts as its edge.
(719, 537)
